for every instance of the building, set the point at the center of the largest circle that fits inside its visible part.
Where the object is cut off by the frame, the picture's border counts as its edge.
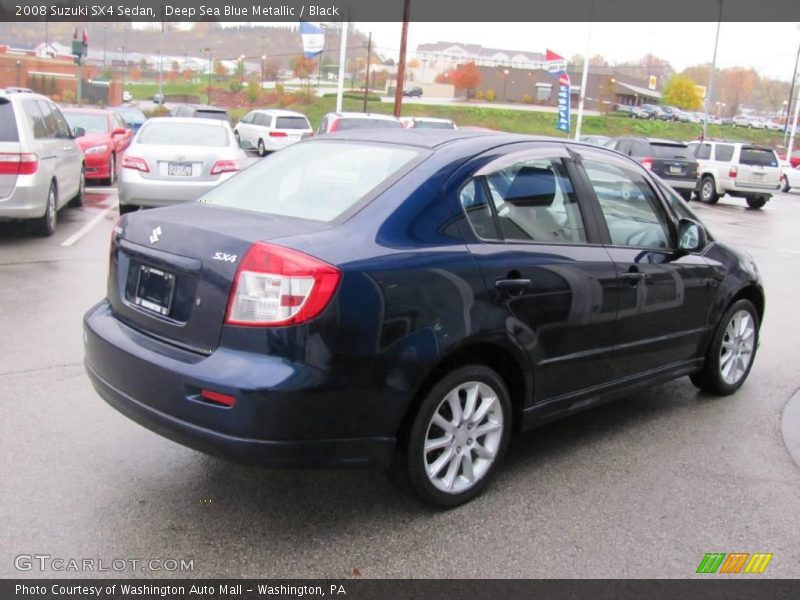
(441, 56)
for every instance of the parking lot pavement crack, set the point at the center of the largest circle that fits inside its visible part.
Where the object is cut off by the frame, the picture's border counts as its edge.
(41, 369)
(790, 427)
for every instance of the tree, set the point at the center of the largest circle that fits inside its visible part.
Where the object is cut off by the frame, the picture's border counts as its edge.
(771, 94)
(220, 70)
(736, 87)
(143, 63)
(135, 73)
(682, 92)
(443, 77)
(303, 67)
(466, 77)
(187, 74)
(271, 69)
(413, 63)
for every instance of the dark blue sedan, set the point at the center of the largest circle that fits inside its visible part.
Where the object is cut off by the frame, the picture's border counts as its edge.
(405, 300)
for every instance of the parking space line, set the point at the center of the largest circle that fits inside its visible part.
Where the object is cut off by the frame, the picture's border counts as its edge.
(88, 227)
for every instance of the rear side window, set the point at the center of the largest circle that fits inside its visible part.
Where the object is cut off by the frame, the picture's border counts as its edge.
(292, 123)
(211, 114)
(347, 124)
(35, 118)
(8, 124)
(723, 152)
(262, 120)
(678, 151)
(703, 152)
(183, 134)
(761, 157)
(315, 181)
(473, 201)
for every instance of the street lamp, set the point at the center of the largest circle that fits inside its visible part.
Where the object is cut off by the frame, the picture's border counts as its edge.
(122, 49)
(263, 59)
(505, 81)
(241, 69)
(210, 68)
(19, 65)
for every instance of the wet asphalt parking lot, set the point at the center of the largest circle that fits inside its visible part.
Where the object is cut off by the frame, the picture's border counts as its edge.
(642, 487)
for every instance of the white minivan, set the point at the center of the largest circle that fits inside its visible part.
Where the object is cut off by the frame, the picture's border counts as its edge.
(268, 130)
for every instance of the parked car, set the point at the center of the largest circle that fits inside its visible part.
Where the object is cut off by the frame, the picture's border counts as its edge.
(127, 96)
(738, 169)
(794, 159)
(427, 123)
(132, 116)
(790, 177)
(177, 159)
(413, 92)
(655, 112)
(159, 99)
(199, 111)
(758, 123)
(673, 161)
(41, 164)
(633, 112)
(740, 121)
(345, 121)
(672, 113)
(405, 300)
(104, 142)
(270, 130)
(773, 125)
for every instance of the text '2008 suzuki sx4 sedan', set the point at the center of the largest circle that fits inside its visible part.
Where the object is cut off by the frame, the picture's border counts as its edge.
(405, 300)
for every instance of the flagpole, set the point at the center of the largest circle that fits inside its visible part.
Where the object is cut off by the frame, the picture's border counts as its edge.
(342, 60)
(585, 76)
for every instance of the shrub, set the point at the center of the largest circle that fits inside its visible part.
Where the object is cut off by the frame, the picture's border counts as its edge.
(489, 95)
(527, 99)
(279, 89)
(253, 91)
(235, 85)
(479, 95)
(69, 96)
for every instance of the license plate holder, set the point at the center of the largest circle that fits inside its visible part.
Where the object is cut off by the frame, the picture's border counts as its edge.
(673, 170)
(155, 290)
(179, 169)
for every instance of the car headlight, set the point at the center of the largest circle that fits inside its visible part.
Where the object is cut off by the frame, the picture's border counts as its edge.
(96, 149)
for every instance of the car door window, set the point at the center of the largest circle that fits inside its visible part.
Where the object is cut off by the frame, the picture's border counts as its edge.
(263, 120)
(624, 146)
(35, 119)
(703, 152)
(640, 149)
(534, 201)
(723, 152)
(62, 127)
(629, 205)
(249, 118)
(51, 128)
(479, 212)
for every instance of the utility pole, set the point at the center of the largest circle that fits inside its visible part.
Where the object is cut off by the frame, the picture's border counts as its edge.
(791, 93)
(584, 76)
(710, 90)
(401, 63)
(793, 130)
(366, 78)
(342, 61)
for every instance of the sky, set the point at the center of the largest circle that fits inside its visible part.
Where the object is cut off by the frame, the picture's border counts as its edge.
(770, 48)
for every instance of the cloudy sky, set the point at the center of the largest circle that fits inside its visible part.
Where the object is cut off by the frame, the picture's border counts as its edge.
(770, 48)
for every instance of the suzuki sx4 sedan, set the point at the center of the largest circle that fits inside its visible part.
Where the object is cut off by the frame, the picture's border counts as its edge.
(405, 300)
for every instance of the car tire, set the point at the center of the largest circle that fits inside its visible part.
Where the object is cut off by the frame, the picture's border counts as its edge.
(77, 201)
(785, 187)
(725, 369)
(686, 195)
(756, 202)
(124, 209)
(262, 151)
(46, 224)
(468, 412)
(708, 190)
(238, 139)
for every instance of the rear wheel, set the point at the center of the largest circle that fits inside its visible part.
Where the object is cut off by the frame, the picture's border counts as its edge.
(46, 224)
(262, 151)
(238, 139)
(112, 170)
(732, 351)
(708, 190)
(458, 437)
(785, 187)
(78, 199)
(756, 202)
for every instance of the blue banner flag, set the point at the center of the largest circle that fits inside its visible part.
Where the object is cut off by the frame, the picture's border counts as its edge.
(313, 39)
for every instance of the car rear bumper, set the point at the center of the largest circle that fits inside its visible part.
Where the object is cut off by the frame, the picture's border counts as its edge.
(757, 188)
(97, 166)
(277, 410)
(27, 200)
(135, 190)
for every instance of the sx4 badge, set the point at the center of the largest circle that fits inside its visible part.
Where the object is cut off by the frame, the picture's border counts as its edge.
(225, 257)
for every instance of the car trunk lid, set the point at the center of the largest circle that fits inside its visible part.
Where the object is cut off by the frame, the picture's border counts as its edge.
(758, 166)
(9, 148)
(672, 161)
(172, 269)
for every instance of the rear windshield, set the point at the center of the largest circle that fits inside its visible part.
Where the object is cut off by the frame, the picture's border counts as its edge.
(211, 114)
(132, 115)
(758, 156)
(671, 151)
(317, 180)
(346, 124)
(182, 134)
(89, 123)
(292, 123)
(8, 124)
(433, 125)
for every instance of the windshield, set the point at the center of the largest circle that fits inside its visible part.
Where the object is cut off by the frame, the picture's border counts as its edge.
(89, 123)
(423, 124)
(317, 180)
(182, 134)
(292, 123)
(132, 115)
(758, 157)
(350, 123)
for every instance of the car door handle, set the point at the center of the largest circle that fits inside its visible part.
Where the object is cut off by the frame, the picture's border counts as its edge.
(633, 277)
(513, 284)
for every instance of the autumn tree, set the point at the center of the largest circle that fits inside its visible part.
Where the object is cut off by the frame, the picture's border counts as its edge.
(466, 77)
(413, 63)
(271, 70)
(736, 87)
(302, 67)
(220, 70)
(771, 94)
(135, 73)
(682, 92)
(187, 74)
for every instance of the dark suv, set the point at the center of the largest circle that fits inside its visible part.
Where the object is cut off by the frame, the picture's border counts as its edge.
(413, 92)
(673, 161)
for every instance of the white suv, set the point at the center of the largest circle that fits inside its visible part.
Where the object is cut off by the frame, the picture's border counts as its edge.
(41, 164)
(738, 169)
(270, 130)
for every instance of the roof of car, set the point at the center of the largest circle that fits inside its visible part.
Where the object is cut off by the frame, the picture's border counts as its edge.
(279, 112)
(360, 115)
(188, 121)
(85, 111)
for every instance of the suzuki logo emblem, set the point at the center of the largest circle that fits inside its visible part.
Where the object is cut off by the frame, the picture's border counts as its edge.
(154, 237)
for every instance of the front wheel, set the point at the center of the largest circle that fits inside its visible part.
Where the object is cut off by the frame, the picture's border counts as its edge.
(458, 437)
(756, 202)
(785, 187)
(262, 151)
(77, 201)
(708, 190)
(732, 351)
(46, 224)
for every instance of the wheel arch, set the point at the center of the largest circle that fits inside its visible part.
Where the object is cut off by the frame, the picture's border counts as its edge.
(755, 295)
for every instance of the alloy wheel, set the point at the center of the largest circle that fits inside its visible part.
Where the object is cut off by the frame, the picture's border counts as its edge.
(738, 344)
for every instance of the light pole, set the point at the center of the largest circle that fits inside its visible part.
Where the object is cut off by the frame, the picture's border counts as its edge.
(710, 90)
(160, 77)
(263, 60)
(366, 78)
(791, 90)
(241, 69)
(505, 81)
(122, 49)
(210, 68)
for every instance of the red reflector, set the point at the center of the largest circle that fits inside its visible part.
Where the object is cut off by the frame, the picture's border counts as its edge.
(277, 134)
(217, 398)
(224, 166)
(12, 163)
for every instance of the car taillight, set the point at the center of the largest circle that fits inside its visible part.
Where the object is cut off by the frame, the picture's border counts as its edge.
(14, 163)
(277, 134)
(733, 172)
(647, 163)
(224, 166)
(276, 286)
(134, 162)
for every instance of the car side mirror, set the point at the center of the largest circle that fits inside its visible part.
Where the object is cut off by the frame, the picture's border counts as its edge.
(119, 131)
(78, 132)
(692, 236)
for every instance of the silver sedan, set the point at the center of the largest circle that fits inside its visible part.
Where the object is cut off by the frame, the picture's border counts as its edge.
(177, 160)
